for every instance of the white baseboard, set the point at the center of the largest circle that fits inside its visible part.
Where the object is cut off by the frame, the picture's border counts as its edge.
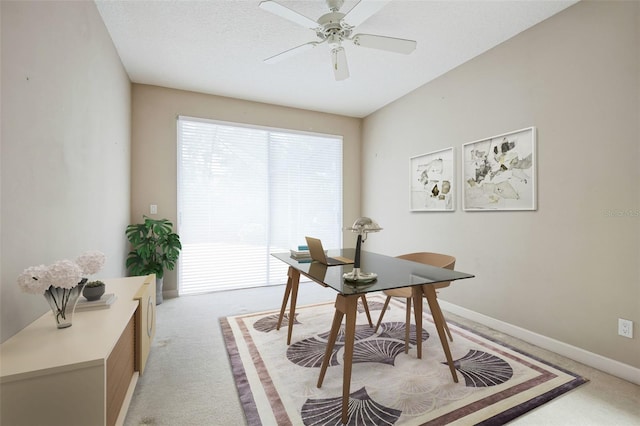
(610, 366)
(169, 294)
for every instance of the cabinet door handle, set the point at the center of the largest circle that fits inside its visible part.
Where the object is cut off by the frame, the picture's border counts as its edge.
(150, 314)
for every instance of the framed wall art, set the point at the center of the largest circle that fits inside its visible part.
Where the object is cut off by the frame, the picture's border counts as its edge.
(432, 181)
(499, 173)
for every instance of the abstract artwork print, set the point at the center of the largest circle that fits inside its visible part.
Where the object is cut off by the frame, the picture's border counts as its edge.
(432, 181)
(499, 173)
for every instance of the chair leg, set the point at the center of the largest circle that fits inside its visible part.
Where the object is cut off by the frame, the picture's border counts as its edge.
(407, 327)
(384, 309)
(366, 309)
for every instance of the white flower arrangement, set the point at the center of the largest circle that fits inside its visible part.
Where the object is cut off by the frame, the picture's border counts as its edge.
(61, 283)
(91, 262)
(63, 273)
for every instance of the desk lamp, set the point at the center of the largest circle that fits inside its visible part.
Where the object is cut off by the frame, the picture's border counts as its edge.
(362, 226)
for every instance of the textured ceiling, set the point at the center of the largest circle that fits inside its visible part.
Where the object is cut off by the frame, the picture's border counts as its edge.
(218, 47)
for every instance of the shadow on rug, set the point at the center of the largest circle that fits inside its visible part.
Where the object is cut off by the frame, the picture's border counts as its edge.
(277, 383)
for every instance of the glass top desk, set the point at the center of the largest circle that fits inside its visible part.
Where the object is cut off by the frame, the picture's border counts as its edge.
(392, 273)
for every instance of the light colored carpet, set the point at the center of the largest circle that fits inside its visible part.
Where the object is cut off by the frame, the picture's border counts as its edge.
(188, 378)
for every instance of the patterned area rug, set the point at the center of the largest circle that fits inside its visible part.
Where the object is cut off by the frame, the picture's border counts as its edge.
(277, 383)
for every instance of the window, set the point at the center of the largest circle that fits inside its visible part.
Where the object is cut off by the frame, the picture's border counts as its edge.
(245, 192)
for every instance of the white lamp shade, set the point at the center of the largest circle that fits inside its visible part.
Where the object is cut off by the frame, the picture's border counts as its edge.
(364, 225)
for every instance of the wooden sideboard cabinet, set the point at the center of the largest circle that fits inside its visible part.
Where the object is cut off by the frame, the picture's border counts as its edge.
(83, 375)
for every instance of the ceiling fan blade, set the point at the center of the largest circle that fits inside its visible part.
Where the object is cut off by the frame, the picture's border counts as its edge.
(391, 44)
(289, 14)
(363, 11)
(291, 52)
(339, 61)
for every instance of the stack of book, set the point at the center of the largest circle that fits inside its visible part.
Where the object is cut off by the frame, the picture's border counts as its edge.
(301, 254)
(103, 303)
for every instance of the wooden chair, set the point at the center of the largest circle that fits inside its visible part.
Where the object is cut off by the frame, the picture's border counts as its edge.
(434, 259)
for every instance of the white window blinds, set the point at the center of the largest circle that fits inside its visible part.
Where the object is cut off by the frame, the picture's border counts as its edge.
(245, 192)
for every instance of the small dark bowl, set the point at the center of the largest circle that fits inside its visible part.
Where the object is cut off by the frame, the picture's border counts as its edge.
(93, 293)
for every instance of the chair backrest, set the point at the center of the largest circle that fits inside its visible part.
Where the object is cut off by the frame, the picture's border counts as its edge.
(434, 259)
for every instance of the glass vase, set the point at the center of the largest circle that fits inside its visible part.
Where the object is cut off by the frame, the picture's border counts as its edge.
(63, 302)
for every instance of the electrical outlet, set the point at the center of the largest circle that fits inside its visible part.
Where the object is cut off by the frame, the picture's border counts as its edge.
(153, 209)
(625, 328)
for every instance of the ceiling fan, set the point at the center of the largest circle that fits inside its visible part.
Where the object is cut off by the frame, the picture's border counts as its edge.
(335, 27)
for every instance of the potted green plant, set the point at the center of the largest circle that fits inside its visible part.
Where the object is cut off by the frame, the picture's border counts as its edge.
(154, 248)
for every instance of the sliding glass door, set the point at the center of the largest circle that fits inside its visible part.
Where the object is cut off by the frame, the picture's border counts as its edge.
(245, 192)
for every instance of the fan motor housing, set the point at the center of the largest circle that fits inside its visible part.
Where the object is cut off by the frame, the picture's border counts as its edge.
(332, 28)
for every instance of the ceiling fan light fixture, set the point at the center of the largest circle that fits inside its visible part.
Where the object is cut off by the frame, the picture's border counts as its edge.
(334, 27)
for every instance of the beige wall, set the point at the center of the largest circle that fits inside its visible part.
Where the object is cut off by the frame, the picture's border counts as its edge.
(65, 146)
(153, 150)
(568, 270)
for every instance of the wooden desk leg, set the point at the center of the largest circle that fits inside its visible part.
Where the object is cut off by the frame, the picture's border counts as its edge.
(366, 309)
(438, 319)
(335, 328)
(416, 295)
(293, 281)
(349, 339)
(345, 305)
(285, 299)
(407, 326)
